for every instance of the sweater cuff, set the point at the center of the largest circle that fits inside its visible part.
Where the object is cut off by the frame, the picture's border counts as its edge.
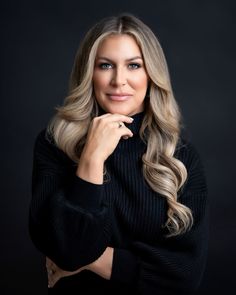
(85, 194)
(124, 266)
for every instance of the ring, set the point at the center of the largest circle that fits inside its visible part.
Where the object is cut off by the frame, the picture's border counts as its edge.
(121, 124)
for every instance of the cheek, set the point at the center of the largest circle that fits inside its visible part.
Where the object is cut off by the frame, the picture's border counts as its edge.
(99, 82)
(139, 82)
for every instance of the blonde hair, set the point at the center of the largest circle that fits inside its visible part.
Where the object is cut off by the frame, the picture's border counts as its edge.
(161, 124)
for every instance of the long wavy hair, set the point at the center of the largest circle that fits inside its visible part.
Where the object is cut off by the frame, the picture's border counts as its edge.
(160, 128)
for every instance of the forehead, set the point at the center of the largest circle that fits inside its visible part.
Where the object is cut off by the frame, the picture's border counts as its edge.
(119, 45)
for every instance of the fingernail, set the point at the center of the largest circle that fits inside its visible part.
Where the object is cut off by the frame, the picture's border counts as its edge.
(131, 119)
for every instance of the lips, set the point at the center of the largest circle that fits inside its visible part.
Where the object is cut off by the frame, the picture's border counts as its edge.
(119, 96)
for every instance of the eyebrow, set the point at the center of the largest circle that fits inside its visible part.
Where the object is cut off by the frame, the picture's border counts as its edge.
(128, 59)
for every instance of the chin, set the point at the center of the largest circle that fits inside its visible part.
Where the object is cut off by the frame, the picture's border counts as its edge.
(125, 113)
(120, 111)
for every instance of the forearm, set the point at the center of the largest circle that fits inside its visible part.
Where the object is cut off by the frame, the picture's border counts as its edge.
(103, 265)
(77, 221)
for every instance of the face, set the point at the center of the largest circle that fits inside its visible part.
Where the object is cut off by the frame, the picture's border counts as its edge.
(120, 79)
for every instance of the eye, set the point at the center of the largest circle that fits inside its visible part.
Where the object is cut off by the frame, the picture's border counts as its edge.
(105, 66)
(134, 66)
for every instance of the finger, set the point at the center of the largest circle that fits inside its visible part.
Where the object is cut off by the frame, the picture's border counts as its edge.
(53, 277)
(49, 265)
(52, 281)
(121, 124)
(48, 262)
(121, 129)
(116, 117)
(50, 273)
(125, 137)
(125, 132)
(115, 124)
(121, 118)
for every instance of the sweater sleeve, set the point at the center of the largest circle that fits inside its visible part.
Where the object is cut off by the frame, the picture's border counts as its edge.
(67, 216)
(173, 265)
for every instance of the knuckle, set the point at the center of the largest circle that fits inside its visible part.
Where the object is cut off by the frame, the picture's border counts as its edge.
(98, 121)
(94, 121)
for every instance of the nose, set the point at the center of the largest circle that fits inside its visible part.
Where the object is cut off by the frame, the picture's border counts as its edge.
(119, 77)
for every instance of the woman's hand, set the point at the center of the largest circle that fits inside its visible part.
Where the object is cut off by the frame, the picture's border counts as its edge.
(55, 273)
(103, 136)
(102, 267)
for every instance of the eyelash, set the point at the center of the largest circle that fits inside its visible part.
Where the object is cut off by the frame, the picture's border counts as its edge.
(135, 65)
(104, 66)
(107, 66)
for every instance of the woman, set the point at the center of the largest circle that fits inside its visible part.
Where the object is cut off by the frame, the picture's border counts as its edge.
(118, 196)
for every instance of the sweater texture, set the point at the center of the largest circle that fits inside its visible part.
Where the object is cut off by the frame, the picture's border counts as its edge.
(72, 221)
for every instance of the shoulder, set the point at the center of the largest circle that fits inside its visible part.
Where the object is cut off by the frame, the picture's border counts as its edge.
(46, 148)
(189, 155)
(44, 141)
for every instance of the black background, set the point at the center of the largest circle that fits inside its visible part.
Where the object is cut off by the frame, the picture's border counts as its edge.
(39, 40)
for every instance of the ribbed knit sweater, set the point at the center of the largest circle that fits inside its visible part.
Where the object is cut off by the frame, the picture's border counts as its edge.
(72, 221)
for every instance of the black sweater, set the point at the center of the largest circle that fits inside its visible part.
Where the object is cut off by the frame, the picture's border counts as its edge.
(72, 221)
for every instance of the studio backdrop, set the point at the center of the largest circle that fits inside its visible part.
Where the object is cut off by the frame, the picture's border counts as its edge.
(39, 40)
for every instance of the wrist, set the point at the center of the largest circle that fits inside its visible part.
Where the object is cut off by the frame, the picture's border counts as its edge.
(90, 168)
(103, 265)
